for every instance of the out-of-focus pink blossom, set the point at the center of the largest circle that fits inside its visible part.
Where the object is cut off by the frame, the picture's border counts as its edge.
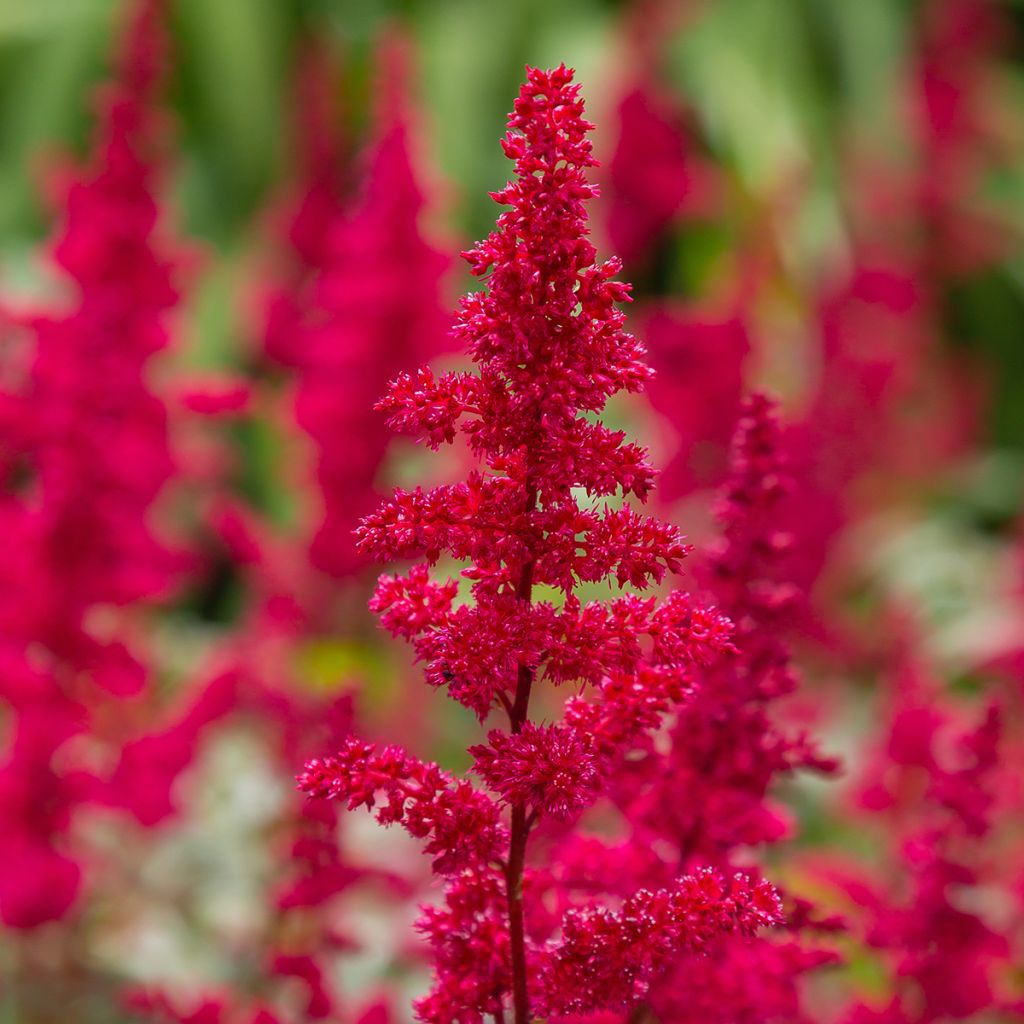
(84, 456)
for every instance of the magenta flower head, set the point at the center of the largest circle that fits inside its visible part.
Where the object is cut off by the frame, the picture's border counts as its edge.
(544, 510)
(84, 460)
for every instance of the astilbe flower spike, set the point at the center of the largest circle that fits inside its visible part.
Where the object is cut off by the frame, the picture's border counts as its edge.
(728, 745)
(84, 456)
(660, 188)
(725, 750)
(549, 350)
(369, 300)
(342, 334)
(940, 781)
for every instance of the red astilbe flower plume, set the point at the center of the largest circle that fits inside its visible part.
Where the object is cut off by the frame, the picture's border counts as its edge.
(941, 795)
(84, 457)
(310, 218)
(94, 434)
(655, 175)
(549, 350)
(371, 303)
(725, 750)
(727, 744)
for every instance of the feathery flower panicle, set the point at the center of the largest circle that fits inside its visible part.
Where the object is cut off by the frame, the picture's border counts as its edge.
(727, 745)
(656, 176)
(98, 449)
(84, 456)
(936, 789)
(703, 793)
(549, 349)
(314, 216)
(607, 959)
(370, 301)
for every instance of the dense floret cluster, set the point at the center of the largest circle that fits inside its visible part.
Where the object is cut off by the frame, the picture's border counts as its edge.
(549, 347)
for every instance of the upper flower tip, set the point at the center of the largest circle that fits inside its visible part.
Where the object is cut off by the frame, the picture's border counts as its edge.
(562, 73)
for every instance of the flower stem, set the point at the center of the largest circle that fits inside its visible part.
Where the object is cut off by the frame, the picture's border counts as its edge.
(516, 929)
(520, 831)
(641, 1014)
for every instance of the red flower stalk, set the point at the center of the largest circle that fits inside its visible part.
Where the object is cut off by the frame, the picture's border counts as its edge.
(656, 177)
(725, 750)
(726, 745)
(315, 214)
(548, 342)
(84, 458)
(95, 434)
(939, 787)
(355, 320)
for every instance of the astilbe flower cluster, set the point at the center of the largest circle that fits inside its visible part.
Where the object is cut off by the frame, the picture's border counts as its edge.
(341, 321)
(731, 745)
(542, 513)
(309, 218)
(369, 303)
(84, 455)
(726, 745)
(660, 188)
(703, 794)
(939, 910)
(656, 177)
